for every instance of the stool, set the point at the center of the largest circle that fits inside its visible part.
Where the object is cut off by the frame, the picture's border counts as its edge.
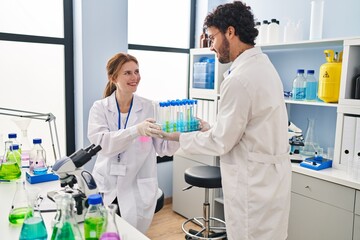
(160, 200)
(204, 177)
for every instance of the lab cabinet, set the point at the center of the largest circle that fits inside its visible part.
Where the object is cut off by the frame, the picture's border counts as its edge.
(320, 210)
(357, 217)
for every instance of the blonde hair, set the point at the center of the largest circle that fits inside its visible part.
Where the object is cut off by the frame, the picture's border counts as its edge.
(113, 66)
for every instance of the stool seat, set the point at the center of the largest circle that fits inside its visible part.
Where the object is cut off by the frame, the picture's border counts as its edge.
(203, 176)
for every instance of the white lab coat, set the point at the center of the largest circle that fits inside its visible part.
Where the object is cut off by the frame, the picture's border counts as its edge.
(250, 136)
(133, 179)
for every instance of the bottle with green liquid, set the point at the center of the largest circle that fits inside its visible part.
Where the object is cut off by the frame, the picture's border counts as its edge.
(95, 218)
(10, 168)
(33, 227)
(19, 208)
(65, 225)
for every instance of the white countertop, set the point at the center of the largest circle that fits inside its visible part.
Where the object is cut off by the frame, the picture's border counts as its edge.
(10, 231)
(329, 174)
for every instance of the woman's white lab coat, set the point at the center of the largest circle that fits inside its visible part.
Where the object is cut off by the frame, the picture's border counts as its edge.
(250, 136)
(133, 177)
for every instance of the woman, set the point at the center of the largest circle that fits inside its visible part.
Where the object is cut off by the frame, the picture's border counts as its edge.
(121, 123)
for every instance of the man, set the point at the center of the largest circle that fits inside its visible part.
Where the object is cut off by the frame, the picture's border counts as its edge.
(250, 134)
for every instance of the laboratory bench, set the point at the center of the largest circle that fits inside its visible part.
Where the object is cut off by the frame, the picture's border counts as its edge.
(10, 231)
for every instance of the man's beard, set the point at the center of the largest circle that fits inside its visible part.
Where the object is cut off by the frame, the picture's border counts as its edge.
(224, 52)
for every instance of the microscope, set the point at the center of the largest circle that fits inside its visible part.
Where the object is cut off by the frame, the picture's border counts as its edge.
(296, 139)
(75, 180)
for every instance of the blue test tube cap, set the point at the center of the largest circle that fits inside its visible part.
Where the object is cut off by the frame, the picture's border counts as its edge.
(37, 141)
(14, 147)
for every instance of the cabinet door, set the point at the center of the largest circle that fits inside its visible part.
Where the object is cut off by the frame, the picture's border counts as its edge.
(314, 220)
(187, 203)
(357, 227)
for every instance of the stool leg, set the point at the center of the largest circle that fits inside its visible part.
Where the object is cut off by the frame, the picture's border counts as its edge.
(206, 213)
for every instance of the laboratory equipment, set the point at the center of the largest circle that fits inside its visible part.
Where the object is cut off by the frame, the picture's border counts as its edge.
(19, 207)
(311, 86)
(299, 86)
(311, 145)
(9, 167)
(329, 77)
(75, 180)
(39, 163)
(65, 226)
(316, 163)
(296, 139)
(23, 124)
(204, 39)
(33, 227)
(12, 137)
(273, 35)
(33, 153)
(95, 218)
(111, 231)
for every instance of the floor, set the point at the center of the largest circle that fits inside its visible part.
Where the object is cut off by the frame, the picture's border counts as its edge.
(166, 224)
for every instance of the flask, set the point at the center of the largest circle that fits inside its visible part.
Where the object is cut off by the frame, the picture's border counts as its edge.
(33, 227)
(19, 207)
(10, 168)
(94, 218)
(311, 146)
(111, 231)
(329, 78)
(263, 32)
(316, 19)
(311, 86)
(273, 31)
(33, 153)
(65, 227)
(299, 85)
(39, 164)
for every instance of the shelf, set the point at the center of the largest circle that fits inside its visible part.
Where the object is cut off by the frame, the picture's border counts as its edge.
(311, 103)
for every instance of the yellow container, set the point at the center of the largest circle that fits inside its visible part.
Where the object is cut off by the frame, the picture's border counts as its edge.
(329, 77)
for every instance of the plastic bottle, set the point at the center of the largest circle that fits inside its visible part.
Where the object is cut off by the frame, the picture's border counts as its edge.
(263, 32)
(273, 35)
(316, 19)
(111, 232)
(299, 86)
(311, 86)
(33, 153)
(94, 218)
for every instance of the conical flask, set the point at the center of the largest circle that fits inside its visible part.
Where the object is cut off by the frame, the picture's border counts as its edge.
(33, 227)
(10, 165)
(19, 208)
(111, 231)
(65, 227)
(311, 146)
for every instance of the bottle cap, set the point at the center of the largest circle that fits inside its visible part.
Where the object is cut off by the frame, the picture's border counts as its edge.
(300, 71)
(12, 135)
(37, 140)
(310, 71)
(14, 147)
(265, 22)
(95, 199)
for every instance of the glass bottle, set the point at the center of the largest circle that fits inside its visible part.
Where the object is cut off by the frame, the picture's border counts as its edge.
(299, 85)
(311, 146)
(94, 218)
(33, 153)
(39, 164)
(111, 231)
(19, 207)
(65, 227)
(10, 168)
(13, 138)
(33, 227)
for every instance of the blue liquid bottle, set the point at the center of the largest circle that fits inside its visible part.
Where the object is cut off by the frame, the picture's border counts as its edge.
(311, 86)
(299, 85)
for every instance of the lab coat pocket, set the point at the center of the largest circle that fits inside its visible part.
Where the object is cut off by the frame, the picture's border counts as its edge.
(148, 190)
(229, 179)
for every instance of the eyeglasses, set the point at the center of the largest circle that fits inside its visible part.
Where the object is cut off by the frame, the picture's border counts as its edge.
(211, 38)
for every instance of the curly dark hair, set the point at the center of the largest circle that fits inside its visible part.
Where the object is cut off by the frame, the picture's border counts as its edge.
(237, 15)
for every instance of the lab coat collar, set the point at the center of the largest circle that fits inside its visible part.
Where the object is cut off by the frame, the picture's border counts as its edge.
(242, 58)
